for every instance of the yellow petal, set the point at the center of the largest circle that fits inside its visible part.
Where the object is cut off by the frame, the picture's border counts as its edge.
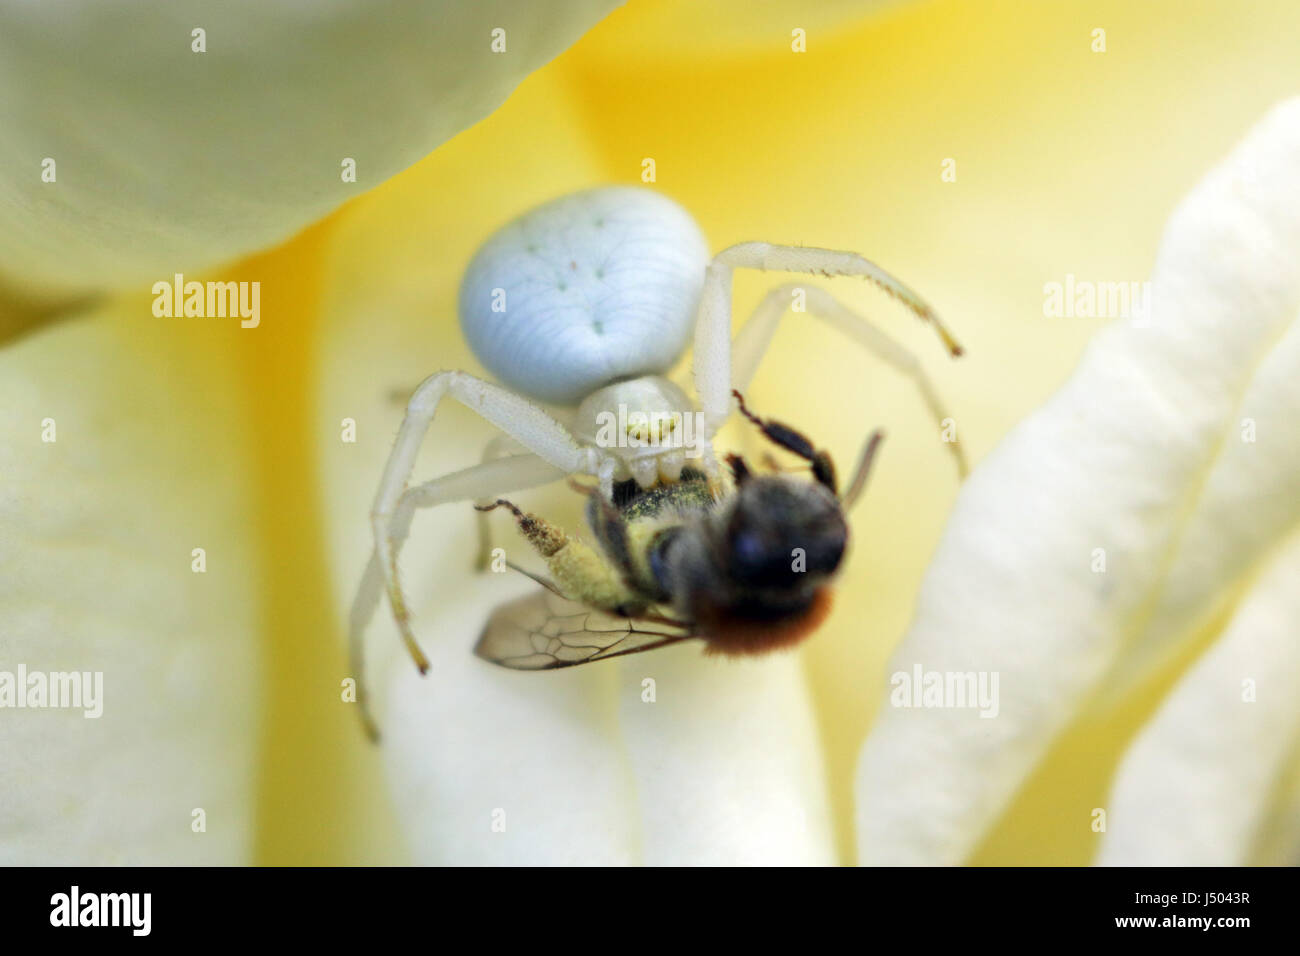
(169, 159)
(98, 531)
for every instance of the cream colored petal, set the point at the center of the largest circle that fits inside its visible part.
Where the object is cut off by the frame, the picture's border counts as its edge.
(1248, 504)
(1204, 781)
(170, 160)
(97, 532)
(494, 767)
(1118, 460)
(727, 760)
(714, 763)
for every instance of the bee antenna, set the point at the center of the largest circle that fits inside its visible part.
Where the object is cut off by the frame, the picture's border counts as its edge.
(863, 469)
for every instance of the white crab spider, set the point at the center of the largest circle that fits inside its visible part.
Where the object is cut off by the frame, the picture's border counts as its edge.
(588, 301)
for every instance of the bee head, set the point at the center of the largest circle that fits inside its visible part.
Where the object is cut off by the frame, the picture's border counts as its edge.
(753, 577)
(782, 535)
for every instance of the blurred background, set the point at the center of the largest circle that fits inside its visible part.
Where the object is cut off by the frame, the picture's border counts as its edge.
(1067, 161)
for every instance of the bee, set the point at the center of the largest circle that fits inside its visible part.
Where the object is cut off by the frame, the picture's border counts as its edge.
(746, 568)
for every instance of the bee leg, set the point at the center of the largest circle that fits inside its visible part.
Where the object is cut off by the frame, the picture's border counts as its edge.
(793, 441)
(611, 529)
(545, 537)
(580, 572)
(740, 472)
(544, 582)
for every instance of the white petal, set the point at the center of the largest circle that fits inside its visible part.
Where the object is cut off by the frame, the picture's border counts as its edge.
(576, 767)
(96, 536)
(496, 767)
(1117, 460)
(1198, 786)
(1247, 505)
(723, 767)
(727, 760)
(169, 160)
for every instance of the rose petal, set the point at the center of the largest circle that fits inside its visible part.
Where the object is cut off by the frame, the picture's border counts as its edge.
(494, 767)
(1117, 460)
(1247, 505)
(1198, 787)
(170, 160)
(727, 761)
(96, 536)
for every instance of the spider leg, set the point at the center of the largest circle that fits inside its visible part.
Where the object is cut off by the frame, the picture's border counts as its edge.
(755, 337)
(495, 477)
(531, 427)
(718, 370)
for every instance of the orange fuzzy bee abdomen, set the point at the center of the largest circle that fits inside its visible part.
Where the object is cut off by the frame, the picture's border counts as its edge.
(736, 636)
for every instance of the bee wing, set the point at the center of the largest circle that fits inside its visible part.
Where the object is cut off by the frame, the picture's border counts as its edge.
(544, 631)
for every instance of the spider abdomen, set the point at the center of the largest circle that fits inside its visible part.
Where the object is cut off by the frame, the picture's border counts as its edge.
(583, 291)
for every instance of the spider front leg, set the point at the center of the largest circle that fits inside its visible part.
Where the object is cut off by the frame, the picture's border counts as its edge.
(755, 336)
(516, 416)
(496, 447)
(499, 476)
(717, 373)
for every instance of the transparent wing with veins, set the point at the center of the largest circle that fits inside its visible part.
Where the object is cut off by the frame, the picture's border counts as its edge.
(543, 631)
